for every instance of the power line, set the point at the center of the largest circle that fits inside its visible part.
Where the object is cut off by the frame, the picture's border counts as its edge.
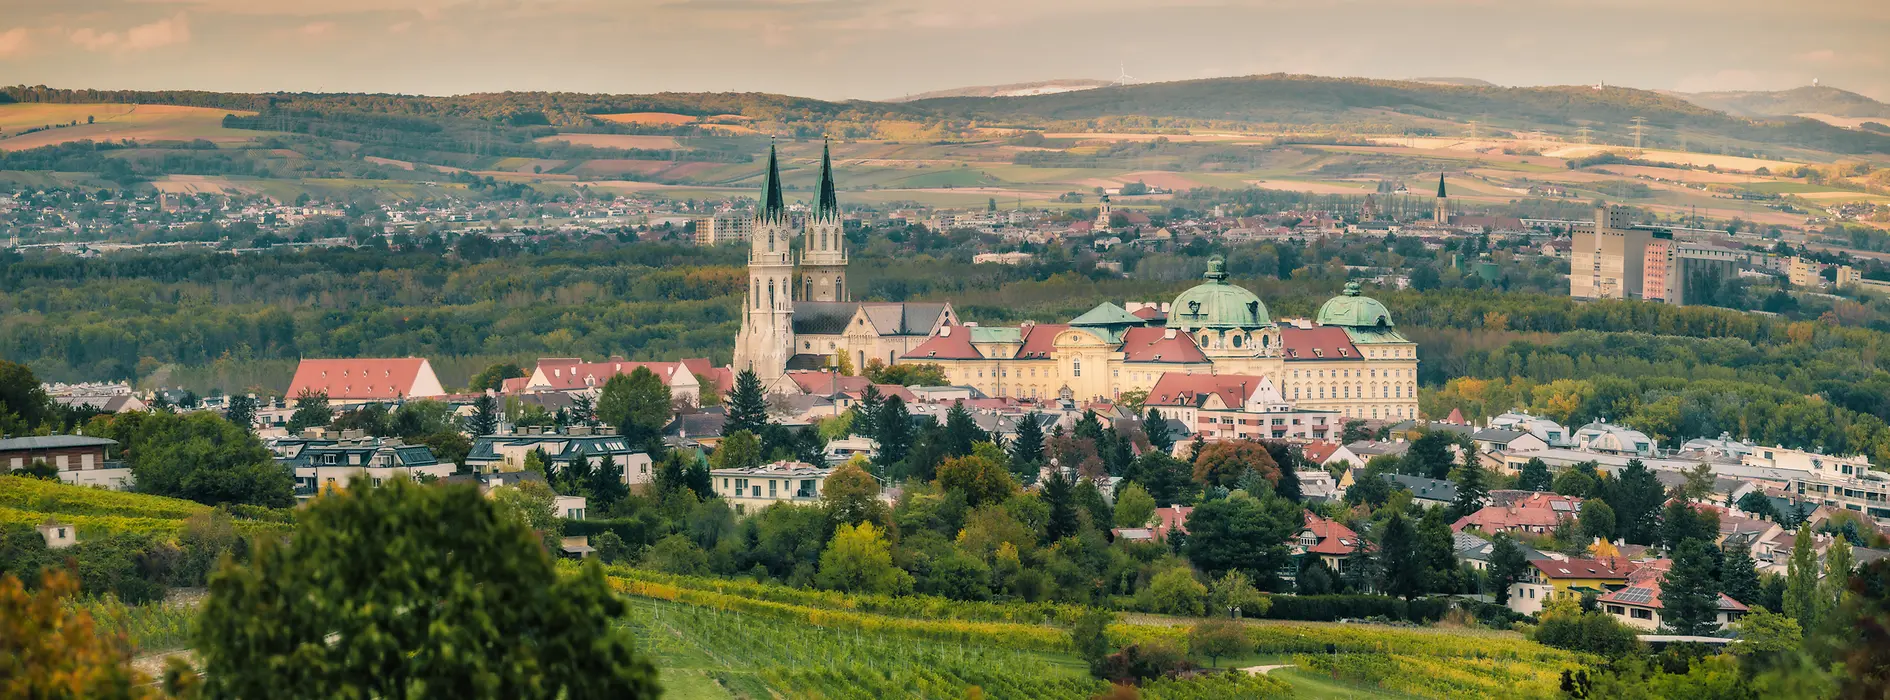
(1639, 129)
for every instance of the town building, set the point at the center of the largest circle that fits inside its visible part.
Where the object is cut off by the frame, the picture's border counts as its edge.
(1233, 406)
(749, 489)
(1327, 541)
(1638, 604)
(324, 464)
(1607, 262)
(1548, 579)
(349, 382)
(1350, 360)
(1677, 273)
(723, 227)
(507, 453)
(1532, 513)
(575, 376)
(79, 459)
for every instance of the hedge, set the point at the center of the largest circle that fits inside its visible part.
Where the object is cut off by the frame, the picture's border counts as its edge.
(1332, 608)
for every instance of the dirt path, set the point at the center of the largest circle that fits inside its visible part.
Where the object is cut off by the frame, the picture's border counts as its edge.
(1264, 670)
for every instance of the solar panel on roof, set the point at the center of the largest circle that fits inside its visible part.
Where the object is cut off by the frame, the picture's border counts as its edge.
(1634, 595)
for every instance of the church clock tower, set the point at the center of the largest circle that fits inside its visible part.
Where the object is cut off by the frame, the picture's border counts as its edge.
(824, 252)
(767, 335)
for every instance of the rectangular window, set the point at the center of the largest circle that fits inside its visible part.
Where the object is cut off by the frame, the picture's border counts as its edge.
(1640, 614)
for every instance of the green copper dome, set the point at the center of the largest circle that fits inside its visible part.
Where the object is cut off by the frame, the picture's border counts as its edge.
(1217, 304)
(1350, 309)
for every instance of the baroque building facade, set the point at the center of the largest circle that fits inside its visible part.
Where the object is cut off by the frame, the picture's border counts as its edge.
(1349, 360)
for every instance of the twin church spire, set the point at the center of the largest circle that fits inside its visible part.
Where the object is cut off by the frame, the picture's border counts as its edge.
(774, 207)
(820, 273)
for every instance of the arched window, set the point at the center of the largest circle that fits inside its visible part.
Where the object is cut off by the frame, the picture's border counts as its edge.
(823, 240)
(771, 241)
(1204, 340)
(1076, 368)
(771, 290)
(839, 289)
(1236, 341)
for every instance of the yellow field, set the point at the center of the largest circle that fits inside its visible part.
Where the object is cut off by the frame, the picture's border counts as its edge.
(199, 184)
(658, 118)
(114, 122)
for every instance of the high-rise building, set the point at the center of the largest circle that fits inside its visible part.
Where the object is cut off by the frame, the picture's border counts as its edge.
(1608, 262)
(723, 227)
(1678, 273)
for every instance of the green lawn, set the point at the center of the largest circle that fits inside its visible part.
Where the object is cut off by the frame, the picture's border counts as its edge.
(1308, 685)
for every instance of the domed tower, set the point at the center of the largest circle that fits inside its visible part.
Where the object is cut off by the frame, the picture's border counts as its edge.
(824, 252)
(1224, 319)
(1351, 310)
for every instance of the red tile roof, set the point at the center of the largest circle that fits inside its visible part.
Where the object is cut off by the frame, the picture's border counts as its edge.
(1172, 518)
(827, 383)
(514, 385)
(1160, 345)
(1647, 595)
(1579, 569)
(380, 379)
(1149, 313)
(949, 343)
(1183, 389)
(1039, 340)
(1320, 343)
(573, 374)
(1537, 510)
(1333, 537)
(1318, 452)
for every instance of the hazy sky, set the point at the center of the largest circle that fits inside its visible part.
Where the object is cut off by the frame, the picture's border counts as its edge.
(884, 48)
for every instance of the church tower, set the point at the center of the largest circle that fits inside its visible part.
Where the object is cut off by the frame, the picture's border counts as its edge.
(824, 251)
(1443, 203)
(1102, 216)
(767, 335)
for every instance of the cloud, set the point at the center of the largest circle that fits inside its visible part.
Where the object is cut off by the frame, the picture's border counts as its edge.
(164, 32)
(399, 27)
(316, 29)
(1819, 56)
(13, 42)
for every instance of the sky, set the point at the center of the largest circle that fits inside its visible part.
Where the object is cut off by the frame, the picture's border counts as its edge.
(876, 49)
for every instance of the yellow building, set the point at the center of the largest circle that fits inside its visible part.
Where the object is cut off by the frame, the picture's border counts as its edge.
(1350, 360)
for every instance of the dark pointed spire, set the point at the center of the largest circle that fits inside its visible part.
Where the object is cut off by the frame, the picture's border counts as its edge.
(828, 205)
(772, 208)
(1440, 184)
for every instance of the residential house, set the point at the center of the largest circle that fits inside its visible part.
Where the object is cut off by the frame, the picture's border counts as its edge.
(1329, 541)
(1609, 438)
(575, 376)
(1424, 491)
(1475, 551)
(1233, 406)
(1507, 440)
(1638, 604)
(506, 453)
(80, 459)
(1548, 431)
(749, 489)
(1356, 454)
(58, 535)
(321, 465)
(1536, 513)
(352, 382)
(1550, 578)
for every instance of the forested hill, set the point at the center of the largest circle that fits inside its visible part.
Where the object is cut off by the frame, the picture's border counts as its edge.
(1800, 100)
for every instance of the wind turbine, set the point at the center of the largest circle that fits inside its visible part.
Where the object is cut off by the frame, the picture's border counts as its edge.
(1123, 77)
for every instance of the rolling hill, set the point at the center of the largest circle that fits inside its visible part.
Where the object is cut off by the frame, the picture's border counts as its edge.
(1799, 100)
(1040, 87)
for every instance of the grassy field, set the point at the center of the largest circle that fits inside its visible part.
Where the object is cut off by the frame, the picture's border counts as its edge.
(98, 512)
(114, 122)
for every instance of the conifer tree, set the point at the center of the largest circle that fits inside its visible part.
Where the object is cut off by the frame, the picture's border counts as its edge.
(895, 431)
(1802, 601)
(1027, 448)
(1060, 495)
(747, 405)
(1689, 595)
(1399, 558)
(1156, 428)
(1535, 476)
(1738, 576)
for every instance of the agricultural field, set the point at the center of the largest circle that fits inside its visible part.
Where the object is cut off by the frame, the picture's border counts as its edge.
(97, 512)
(113, 122)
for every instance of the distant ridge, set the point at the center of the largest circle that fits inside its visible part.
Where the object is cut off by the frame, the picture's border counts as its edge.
(1819, 99)
(1040, 87)
(1469, 82)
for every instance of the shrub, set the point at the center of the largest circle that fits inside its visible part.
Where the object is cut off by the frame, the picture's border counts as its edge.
(1331, 608)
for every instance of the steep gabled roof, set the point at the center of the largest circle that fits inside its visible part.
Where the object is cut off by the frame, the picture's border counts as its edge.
(1106, 314)
(1039, 340)
(383, 379)
(1179, 389)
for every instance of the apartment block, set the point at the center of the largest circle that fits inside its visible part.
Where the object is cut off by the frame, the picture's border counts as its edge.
(1608, 262)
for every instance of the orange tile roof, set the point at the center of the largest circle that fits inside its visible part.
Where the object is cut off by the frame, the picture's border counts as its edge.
(1579, 569)
(1183, 389)
(382, 379)
(1160, 345)
(949, 343)
(1320, 343)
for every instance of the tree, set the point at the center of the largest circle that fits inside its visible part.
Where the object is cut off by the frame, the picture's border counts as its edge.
(1090, 637)
(1233, 593)
(1838, 563)
(1580, 481)
(606, 485)
(960, 431)
(1174, 591)
(1370, 489)
(1060, 495)
(485, 417)
(1472, 492)
(1287, 456)
(736, 450)
(1134, 507)
(1756, 503)
(1027, 447)
(24, 405)
(1738, 575)
(1508, 565)
(1398, 556)
(1224, 463)
(1689, 595)
(311, 411)
(1243, 534)
(747, 405)
(637, 404)
(1429, 455)
(1699, 483)
(981, 479)
(1535, 476)
(362, 602)
(1218, 637)
(199, 456)
(1766, 633)
(1565, 625)
(242, 411)
(1681, 521)
(1438, 551)
(895, 432)
(1802, 600)
(858, 560)
(1597, 520)
(852, 495)
(1156, 428)
(1868, 654)
(1636, 499)
(49, 649)
(493, 377)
